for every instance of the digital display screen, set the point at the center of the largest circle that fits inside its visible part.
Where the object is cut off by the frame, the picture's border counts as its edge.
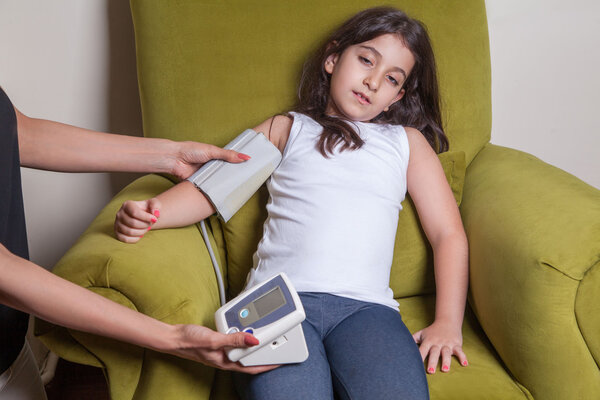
(269, 302)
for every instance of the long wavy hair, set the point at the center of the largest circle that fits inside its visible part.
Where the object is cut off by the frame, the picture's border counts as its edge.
(420, 106)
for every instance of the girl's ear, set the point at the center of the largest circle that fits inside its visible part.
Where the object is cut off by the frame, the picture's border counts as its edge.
(330, 62)
(331, 59)
(397, 98)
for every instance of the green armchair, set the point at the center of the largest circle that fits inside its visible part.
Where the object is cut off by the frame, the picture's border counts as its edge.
(207, 70)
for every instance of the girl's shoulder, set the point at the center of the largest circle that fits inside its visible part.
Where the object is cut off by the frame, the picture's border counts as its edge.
(420, 149)
(277, 129)
(414, 136)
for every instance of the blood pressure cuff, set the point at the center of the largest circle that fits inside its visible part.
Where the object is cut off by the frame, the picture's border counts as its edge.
(229, 186)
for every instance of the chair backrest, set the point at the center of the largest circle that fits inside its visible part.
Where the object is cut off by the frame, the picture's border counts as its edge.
(208, 70)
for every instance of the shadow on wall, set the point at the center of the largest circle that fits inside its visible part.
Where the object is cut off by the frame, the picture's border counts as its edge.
(124, 110)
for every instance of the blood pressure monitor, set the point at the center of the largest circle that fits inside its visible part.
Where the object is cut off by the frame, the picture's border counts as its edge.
(272, 312)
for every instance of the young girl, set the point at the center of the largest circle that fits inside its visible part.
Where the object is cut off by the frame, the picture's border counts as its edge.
(367, 100)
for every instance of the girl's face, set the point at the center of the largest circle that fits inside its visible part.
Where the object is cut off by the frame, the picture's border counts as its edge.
(367, 77)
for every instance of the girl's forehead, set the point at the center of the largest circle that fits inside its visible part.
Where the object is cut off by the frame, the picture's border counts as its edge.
(390, 48)
(386, 41)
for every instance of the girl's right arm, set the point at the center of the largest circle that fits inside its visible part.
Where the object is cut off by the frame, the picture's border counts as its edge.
(183, 204)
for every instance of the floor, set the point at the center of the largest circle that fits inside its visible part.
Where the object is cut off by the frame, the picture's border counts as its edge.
(75, 382)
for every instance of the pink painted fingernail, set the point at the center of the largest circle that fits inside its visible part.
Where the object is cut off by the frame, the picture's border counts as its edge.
(445, 368)
(250, 340)
(431, 370)
(150, 227)
(243, 156)
(465, 363)
(156, 213)
(153, 220)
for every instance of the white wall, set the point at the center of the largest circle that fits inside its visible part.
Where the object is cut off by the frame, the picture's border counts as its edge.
(545, 81)
(73, 61)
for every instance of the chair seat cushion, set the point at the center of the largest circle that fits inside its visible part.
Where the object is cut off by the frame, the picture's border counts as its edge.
(484, 378)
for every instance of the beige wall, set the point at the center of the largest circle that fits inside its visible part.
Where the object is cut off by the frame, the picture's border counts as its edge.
(73, 61)
(545, 81)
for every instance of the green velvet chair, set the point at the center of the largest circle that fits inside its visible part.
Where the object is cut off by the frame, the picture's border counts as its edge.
(209, 69)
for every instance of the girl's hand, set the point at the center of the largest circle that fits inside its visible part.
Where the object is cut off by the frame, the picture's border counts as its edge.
(135, 218)
(440, 339)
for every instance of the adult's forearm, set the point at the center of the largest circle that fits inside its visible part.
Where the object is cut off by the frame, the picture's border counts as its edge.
(32, 289)
(55, 146)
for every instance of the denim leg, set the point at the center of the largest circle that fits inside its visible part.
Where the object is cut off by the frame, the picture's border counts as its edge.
(373, 356)
(308, 380)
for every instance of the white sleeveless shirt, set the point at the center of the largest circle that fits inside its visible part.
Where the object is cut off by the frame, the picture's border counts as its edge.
(332, 222)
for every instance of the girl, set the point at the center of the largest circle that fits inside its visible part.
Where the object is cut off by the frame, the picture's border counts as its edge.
(367, 97)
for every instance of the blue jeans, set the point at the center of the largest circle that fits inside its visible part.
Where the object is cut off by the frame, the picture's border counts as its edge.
(356, 349)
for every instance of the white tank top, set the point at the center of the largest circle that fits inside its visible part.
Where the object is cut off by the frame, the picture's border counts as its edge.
(332, 222)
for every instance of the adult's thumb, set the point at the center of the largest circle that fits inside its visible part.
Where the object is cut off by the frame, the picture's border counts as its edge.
(227, 155)
(241, 339)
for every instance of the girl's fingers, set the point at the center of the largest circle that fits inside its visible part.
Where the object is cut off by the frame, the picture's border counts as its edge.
(131, 222)
(128, 231)
(432, 361)
(153, 207)
(127, 239)
(418, 337)
(135, 218)
(424, 350)
(138, 210)
(462, 357)
(446, 358)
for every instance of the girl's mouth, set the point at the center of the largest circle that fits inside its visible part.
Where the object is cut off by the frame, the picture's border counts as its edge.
(362, 98)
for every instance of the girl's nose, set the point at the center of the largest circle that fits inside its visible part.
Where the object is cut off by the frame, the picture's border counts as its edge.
(372, 82)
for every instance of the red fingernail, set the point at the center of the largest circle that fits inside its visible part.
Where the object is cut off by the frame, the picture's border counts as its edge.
(243, 156)
(156, 213)
(153, 220)
(250, 340)
(150, 227)
(465, 363)
(431, 370)
(445, 368)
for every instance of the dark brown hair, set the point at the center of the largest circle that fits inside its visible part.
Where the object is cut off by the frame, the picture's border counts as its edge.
(420, 106)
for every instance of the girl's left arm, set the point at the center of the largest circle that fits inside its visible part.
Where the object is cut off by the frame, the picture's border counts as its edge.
(441, 221)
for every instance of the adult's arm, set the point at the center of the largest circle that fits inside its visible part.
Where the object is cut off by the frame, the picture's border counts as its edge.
(55, 146)
(30, 288)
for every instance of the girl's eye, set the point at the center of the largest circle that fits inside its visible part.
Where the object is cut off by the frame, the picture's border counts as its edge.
(365, 60)
(393, 80)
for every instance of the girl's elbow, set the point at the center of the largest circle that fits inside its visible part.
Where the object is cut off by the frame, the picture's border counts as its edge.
(453, 238)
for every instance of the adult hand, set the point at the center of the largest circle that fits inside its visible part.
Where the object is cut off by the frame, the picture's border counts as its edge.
(202, 344)
(191, 156)
(443, 340)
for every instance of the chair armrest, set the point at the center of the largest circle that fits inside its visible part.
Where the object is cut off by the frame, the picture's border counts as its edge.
(534, 237)
(167, 275)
